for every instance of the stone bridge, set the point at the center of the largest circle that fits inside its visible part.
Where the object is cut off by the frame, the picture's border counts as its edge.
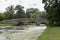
(38, 21)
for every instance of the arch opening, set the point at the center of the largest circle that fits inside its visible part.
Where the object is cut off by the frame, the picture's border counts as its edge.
(31, 23)
(20, 24)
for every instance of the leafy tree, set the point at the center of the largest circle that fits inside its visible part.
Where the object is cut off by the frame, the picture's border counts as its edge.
(33, 13)
(53, 12)
(43, 14)
(10, 12)
(20, 12)
(2, 16)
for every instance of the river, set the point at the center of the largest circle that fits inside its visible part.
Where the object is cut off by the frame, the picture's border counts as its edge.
(31, 33)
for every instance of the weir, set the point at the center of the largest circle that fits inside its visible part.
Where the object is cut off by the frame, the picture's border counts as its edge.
(31, 33)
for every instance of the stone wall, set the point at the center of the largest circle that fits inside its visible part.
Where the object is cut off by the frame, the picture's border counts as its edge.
(24, 20)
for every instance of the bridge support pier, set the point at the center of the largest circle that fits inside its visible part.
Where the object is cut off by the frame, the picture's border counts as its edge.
(25, 23)
(38, 23)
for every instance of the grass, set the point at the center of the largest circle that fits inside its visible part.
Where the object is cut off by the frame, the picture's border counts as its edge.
(51, 33)
(5, 25)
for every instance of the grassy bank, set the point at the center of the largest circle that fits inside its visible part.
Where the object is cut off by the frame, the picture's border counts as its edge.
(5, 24)
(51, 33)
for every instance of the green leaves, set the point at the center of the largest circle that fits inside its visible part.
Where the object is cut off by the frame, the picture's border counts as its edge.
(33, 13)
(2, 16)
(20, 12)
(10, 12)
(53, 11)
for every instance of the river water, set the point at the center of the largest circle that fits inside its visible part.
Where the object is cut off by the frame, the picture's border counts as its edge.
(31, 33)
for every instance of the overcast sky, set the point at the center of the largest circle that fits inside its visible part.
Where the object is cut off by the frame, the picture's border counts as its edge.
(26, 3)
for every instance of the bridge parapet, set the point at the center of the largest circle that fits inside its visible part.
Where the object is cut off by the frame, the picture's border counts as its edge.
(25, 20)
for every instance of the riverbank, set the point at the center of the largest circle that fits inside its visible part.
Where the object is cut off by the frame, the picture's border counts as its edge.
(5, 25)
(51, 33)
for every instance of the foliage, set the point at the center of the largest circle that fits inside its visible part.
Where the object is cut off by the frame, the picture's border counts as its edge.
(53, 12)
(20, 12)
(9, 12)
(2, 16)
(43, 14)
(33, 13)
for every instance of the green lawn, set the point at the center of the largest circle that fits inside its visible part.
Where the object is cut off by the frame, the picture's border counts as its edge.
(51, 33)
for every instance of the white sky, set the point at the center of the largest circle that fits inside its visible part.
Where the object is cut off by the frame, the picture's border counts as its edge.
(26, 3)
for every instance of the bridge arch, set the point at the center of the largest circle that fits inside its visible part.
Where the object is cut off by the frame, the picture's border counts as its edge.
(25, 21)
(20, 23)
(31, 22)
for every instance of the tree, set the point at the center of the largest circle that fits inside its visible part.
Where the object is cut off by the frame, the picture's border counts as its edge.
(10, 12)
(43, 14)
(20, 12)
(53, 12)
(33, 13)
(2, 16)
